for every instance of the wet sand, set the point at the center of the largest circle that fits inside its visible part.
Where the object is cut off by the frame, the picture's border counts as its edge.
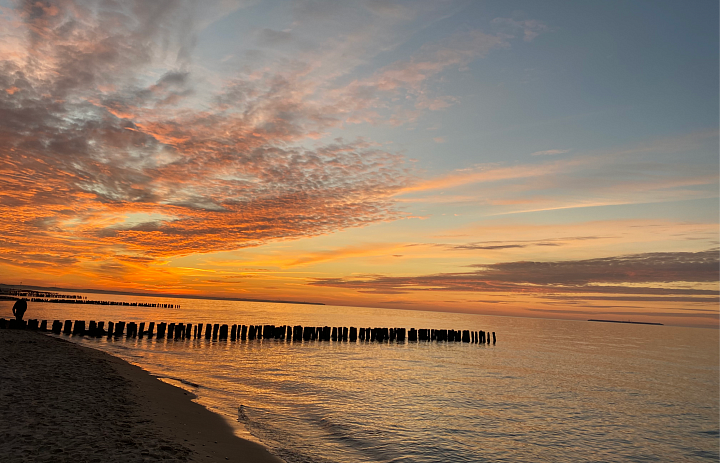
(61, 402)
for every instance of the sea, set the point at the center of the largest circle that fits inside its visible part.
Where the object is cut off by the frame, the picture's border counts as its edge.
(548, 390)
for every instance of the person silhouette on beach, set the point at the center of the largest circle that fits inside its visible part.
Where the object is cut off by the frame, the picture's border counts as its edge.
(19, 309)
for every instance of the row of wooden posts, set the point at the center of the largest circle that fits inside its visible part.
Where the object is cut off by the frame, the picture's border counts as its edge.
(250, 332)
(91, 302)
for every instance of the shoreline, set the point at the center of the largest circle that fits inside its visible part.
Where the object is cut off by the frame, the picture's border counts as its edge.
(60, 401)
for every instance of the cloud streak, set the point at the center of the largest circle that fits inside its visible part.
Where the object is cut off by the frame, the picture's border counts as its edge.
(675, 274)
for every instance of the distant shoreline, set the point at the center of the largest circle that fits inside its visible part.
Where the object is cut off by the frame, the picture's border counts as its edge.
(132, 293)
(621, 321)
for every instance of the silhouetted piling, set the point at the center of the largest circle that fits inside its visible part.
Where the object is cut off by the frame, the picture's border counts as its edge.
(223, 332)
(161, 330)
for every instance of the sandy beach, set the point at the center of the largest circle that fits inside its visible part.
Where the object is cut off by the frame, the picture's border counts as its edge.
(62, 402)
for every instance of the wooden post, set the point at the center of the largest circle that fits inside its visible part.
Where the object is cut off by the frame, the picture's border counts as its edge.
(161, 330)
(119, 329)
(67, 329)
(150, 330)
(188, 330)
(333, 336)
(243, 332)
(111, 327)
(216, 328)
(494, 339)
(223, 332)
(412, 335)
(233, 333)
(100, 329)
(171, 331)
(56, 326)
(353, 334)
(208, 331)
(251, 332)
(43, 325)
(400, 336)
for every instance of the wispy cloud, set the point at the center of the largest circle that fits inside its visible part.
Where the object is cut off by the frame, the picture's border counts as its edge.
(549, 152)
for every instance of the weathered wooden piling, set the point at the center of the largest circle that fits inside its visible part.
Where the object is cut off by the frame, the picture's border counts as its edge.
(208, 331)
(43, 325)
(56, 326)
(233, 332)
(161, 330)
(119, 329)
(141, 330)
(223, 332)
(32, 324)
(494, 339)
(412, 335)
(150, 330)
(243, 332)
(67, 327)
(215, 330)
(188, 330)
(353, 334)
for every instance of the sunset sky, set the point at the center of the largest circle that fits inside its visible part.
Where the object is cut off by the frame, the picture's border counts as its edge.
(534, 158)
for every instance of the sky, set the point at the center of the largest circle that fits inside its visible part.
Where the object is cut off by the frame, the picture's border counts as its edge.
(526, 158)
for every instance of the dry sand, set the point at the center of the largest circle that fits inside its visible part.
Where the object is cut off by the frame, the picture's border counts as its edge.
(61, 402)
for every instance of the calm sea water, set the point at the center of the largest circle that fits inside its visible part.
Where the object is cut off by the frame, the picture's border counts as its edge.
(549, 390)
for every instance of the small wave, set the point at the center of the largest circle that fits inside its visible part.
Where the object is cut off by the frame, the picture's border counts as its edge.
(180, 380)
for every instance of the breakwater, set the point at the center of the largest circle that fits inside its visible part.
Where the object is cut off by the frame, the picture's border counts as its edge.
(239, 332)
(80, 300)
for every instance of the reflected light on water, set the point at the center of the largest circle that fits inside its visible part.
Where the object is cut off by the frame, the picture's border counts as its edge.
(549, 390)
